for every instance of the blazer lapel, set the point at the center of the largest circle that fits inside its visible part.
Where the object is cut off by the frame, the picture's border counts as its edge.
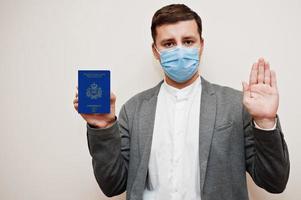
(207, 121)
(146, 126)
(147, 120)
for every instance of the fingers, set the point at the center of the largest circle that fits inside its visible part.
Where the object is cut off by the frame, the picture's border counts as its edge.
(273, 79)
(246, 89)
(244, 86)
(76, 92)
(75, 103)
(267, 74)
(246, 93)
(260, 76)
(75, 100)
(260, 73)
(253, 74)
(76, 106)
(113, 97)
(76, 96)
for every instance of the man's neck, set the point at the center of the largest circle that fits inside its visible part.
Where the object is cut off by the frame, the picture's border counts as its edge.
(181, 85)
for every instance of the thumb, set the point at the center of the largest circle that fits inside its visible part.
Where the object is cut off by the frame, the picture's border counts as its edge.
(245, 86)
(246, 90)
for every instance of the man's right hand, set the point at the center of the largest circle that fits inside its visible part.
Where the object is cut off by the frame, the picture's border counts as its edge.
(98, 120)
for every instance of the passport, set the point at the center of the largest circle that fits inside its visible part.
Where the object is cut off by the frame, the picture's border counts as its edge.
(93, 91)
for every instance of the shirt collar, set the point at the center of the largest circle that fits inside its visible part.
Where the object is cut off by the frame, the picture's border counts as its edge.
(184, 93)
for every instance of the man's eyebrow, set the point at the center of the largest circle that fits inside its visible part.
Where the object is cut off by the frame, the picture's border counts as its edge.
(189, 37)
(167, 40)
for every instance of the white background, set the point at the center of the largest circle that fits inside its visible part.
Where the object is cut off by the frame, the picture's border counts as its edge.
(43, 147)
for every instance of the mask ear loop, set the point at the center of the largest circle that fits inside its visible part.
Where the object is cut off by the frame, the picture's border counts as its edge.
(157, 49)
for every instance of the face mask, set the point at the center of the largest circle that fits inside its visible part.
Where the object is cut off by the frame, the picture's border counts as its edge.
(181, 63)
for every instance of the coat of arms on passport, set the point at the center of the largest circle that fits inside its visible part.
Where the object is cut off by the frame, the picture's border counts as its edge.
(93, 91)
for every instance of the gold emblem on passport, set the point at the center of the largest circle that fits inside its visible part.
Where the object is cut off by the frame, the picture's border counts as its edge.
(93, 91)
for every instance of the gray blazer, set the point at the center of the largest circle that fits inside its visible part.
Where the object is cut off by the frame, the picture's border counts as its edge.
(229, 145)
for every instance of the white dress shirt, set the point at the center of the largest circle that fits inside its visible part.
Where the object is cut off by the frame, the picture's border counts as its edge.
(174, 160)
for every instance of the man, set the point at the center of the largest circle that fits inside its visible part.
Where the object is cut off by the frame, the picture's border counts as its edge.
(186, 138)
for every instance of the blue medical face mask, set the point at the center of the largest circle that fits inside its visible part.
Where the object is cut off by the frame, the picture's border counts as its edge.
(180, 63)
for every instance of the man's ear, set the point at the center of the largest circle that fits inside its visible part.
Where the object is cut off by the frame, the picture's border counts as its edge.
(202, 47)
(155, 52)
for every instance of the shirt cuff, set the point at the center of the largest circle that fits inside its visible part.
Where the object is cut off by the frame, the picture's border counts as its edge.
(266, 129)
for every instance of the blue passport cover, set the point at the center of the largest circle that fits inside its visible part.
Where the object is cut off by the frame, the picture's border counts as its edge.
(93, 91)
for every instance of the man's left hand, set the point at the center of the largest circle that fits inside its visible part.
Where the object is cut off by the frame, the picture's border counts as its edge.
(260, 96)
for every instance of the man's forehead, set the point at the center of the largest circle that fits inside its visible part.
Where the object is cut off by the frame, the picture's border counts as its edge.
(180, 29)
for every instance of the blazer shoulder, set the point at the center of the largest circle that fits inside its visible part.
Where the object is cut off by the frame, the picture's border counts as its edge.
(227, 93)
(143, 95)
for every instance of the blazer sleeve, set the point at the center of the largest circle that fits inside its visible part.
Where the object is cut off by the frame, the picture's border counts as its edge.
(267, 158)
(109, 148)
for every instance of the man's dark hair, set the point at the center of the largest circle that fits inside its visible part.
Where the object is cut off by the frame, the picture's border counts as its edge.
(172, 14)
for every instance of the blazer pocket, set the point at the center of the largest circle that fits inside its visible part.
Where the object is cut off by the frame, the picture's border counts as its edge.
(223, 126)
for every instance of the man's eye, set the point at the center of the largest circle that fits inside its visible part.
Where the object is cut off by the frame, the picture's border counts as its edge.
(188, 43)
(168, 45)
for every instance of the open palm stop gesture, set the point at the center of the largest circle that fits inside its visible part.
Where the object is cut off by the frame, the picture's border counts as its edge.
(260, 96)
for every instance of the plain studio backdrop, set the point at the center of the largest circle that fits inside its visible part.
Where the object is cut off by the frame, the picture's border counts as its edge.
(43, 145)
